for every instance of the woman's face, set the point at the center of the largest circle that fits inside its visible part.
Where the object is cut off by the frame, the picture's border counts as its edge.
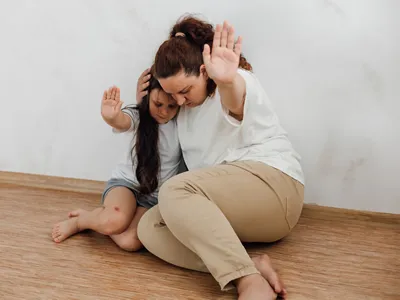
(162, 107)
(189, 90)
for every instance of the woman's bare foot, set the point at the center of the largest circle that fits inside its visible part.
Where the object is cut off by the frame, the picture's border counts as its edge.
(76, 213)
(63, 230)
(264, 266)
(254, 287)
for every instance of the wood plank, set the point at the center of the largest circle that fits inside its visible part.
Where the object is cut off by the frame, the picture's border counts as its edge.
(331, 253)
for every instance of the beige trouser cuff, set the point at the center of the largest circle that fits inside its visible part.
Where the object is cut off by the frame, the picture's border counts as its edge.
(226, 282)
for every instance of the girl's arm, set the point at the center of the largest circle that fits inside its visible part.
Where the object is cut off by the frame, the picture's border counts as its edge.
(222, 65)
(111, 104)
(111, 110)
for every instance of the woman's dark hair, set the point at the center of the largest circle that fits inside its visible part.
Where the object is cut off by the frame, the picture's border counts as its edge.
(145, 146)
(186, 52)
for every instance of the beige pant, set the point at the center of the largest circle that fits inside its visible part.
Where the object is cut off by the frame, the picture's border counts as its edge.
(204, 215)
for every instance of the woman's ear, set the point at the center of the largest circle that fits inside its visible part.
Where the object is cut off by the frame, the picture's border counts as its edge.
(203, 71)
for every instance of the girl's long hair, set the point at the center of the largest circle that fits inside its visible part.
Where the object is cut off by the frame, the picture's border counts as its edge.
(145, 146)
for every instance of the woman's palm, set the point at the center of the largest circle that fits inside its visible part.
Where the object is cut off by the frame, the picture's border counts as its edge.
(223, 61)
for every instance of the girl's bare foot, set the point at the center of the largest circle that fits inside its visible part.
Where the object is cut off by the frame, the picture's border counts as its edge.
(63, 230)
(264, 266)
(76, 213)
(254, 287)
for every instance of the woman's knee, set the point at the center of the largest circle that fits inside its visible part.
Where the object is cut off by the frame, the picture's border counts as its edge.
(179, 202)
(172, 196)
(176, 189)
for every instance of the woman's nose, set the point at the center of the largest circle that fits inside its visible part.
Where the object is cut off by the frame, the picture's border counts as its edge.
(180, 99)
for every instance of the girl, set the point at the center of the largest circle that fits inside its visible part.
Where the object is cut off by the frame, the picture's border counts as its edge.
(132, 189)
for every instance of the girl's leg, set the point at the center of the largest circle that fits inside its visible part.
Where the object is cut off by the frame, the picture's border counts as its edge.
(112, 218)
(128, 240)
(211, 210)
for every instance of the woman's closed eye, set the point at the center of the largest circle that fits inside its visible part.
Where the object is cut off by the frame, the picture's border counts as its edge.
(185, 91)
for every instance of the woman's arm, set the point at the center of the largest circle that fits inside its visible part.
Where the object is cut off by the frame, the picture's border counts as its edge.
(233, 95)
(221, 66)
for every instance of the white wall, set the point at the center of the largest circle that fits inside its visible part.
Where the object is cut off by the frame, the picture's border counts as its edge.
(332, 69)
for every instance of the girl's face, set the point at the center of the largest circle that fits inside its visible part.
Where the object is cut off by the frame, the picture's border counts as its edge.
(162, 107)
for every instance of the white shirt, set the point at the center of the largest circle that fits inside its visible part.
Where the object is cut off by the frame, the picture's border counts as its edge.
(210, 136)
(169, 149)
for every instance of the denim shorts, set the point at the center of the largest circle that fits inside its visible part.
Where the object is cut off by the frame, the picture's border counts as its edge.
(146, 201)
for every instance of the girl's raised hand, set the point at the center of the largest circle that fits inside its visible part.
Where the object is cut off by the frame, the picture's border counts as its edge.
(111, 104)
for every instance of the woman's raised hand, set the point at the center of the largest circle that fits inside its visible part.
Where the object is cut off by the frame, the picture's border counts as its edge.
(223, 61)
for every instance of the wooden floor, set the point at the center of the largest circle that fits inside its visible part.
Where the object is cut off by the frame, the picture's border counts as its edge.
(331, 254)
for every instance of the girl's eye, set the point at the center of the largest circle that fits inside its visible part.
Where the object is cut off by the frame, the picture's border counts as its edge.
(158, 104)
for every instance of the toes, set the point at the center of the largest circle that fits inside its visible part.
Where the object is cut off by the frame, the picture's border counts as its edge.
(275, 282)
(268, 272)
(55, 238)
(58, 237)
(278, 286)
(55, 230)
(64, 230)
(56, 233)
(284, 293)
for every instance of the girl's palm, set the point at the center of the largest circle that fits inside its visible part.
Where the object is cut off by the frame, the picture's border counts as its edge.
(111, 104)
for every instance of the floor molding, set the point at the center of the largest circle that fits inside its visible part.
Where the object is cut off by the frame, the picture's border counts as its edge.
(52, 182)
(86, 186)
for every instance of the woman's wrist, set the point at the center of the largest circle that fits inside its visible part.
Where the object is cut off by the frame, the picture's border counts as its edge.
(232, 95)
(228, 85)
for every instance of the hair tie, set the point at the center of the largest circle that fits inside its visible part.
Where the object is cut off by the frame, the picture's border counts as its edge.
(180, 34)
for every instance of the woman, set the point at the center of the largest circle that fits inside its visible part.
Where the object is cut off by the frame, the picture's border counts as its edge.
(245, 182)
